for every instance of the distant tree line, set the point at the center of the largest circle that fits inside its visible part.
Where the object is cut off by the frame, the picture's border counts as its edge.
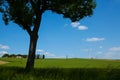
(22, 56)
(14, 56)
(40, 56)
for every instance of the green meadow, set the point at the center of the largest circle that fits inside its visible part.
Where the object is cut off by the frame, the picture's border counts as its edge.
(61, 69)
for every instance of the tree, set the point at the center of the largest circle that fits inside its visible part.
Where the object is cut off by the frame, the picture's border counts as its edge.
(37, 56)
(43, 56)
(12, 55)
(1, 1)
(5, 55)
(28, 14)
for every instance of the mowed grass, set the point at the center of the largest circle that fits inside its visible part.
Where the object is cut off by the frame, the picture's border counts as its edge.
(61, 69)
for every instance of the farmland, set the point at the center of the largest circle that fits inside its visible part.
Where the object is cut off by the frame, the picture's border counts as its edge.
(61, 69)
(64, 63)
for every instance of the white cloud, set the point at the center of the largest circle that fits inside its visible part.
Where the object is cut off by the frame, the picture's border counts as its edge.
(39, 51)
(99, 52)
(112, 55)
(100, 47)
(94, 39)
(3, 52)
(75, 24)
(82, 27)
(4, 46)
(48, 54)
(114, 49)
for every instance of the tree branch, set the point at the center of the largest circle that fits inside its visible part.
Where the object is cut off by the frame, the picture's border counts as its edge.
(32, 2)
(38, 14)
(28, 30)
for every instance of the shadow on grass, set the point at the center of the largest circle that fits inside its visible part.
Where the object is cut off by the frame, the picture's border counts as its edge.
(16, 73)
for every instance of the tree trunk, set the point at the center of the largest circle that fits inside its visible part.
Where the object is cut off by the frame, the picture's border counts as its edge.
(32, 50)
(33, 38)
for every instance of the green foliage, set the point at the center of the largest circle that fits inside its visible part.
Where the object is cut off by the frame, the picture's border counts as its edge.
(73, 9)
(1, 3)
(19, 12)
(24, 12)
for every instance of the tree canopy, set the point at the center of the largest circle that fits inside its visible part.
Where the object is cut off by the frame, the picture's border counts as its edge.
(23, 12)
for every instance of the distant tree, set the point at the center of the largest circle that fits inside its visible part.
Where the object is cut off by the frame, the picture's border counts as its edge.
(37, 56)
(28, 14)
(43, 56)
(19, 55)
(5, 55)
(24, 56)
(12, 55)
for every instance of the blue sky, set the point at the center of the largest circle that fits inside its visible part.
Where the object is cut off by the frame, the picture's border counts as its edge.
(96, 36)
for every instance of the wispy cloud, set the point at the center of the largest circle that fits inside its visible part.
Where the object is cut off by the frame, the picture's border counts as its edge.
(75, 24)
(87, 50)
(4, 46)
(100, 47)
(99, 52)
(65, 25)
(3, 52)
(94, 39)
(39, 51)
(112, 53)
(48, 54)
(82, 27)
(78, 26)
(115, 49)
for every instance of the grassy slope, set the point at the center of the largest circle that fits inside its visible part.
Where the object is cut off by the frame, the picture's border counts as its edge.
(61, 69)
(3, 62)
(65, 63)
(77, 63)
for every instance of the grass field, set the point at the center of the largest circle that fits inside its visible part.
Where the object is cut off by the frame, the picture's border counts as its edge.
(3, 62)
(61, 69)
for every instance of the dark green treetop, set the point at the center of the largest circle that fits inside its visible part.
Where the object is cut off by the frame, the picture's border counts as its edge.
(24, 12)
